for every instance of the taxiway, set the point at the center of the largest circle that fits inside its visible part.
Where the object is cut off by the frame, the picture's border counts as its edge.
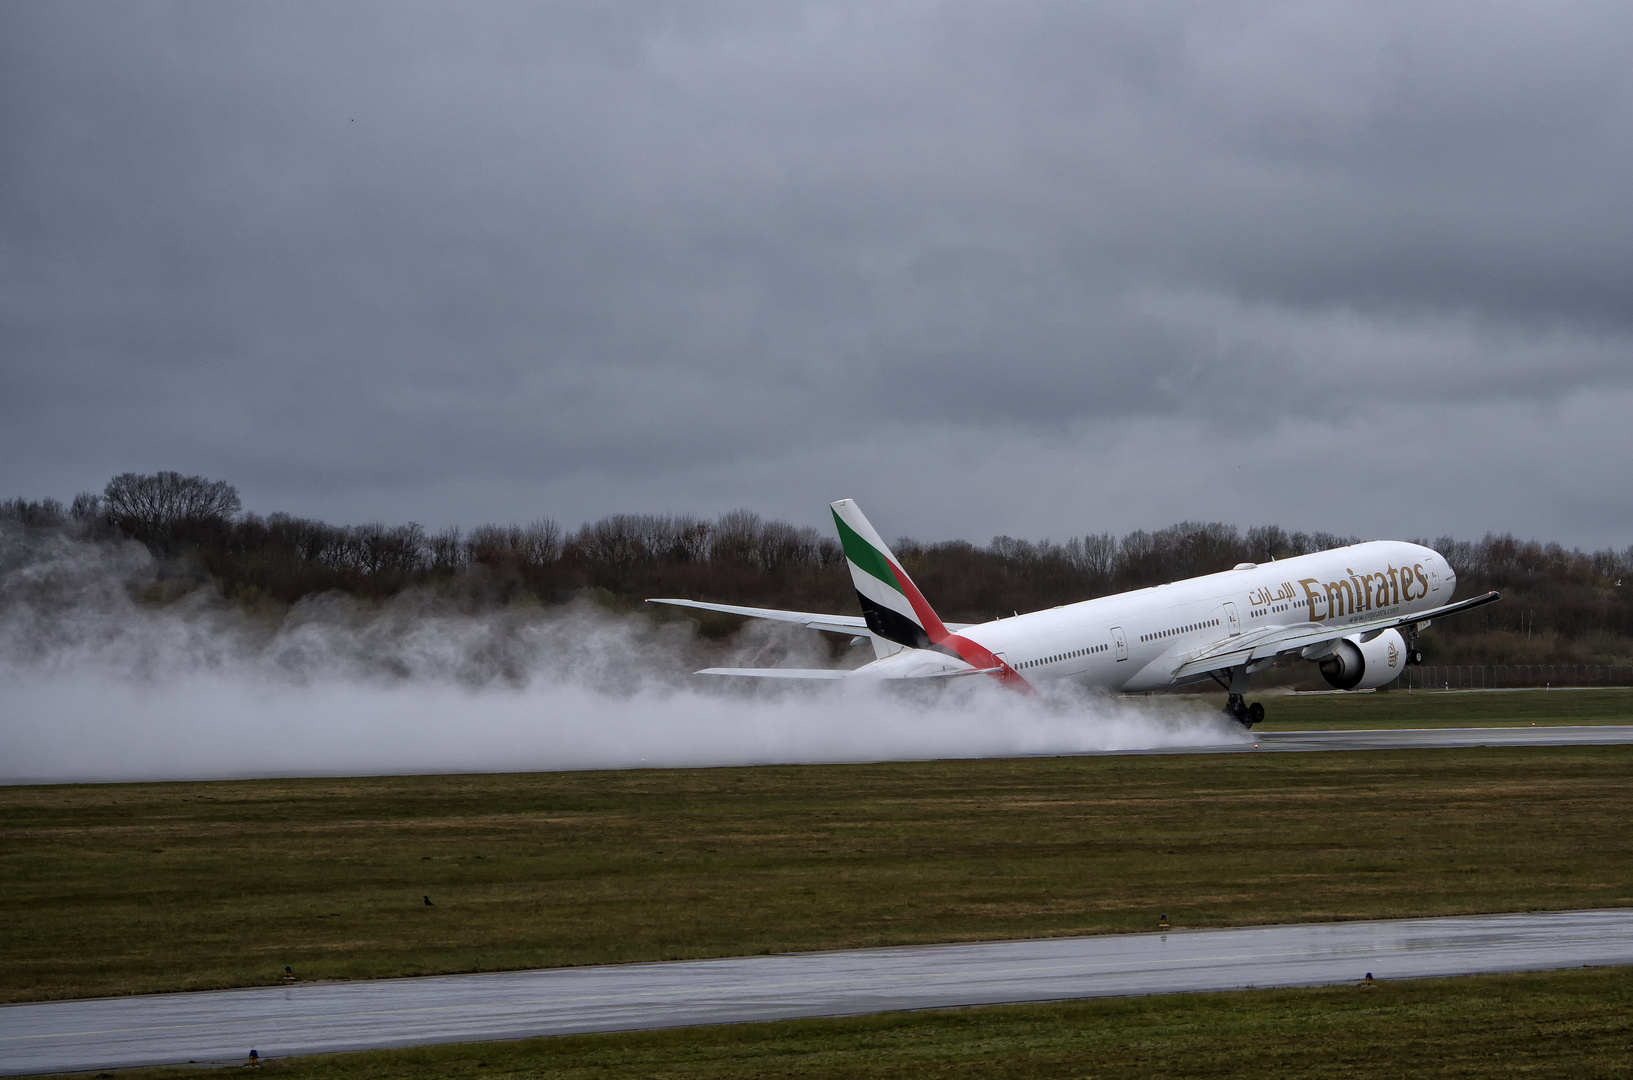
(63, 1036)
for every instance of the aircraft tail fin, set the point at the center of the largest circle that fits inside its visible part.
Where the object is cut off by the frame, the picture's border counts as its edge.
(894, 608)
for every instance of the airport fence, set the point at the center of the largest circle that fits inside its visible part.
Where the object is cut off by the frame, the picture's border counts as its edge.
(1509, 676)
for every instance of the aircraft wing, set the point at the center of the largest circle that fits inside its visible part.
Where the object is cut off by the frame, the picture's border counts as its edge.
(1274, 641)
(835, 624)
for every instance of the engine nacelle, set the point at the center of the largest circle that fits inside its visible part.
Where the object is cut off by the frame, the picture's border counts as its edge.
(1364, 665)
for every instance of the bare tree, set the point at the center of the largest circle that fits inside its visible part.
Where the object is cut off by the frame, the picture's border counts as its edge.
(617, 541)
(87, 507)
(1267, 542)
(1094, 556)
(447, 551)
(376, 548)
(736, 538)
(152, 505)
(540, 543)
(27, 512)
(783, 545)
(533, 546)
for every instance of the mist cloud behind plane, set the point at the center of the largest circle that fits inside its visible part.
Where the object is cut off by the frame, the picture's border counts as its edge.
(96, 687)
(1357, 267)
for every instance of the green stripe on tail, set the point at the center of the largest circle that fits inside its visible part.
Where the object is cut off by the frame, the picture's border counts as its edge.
(864, 556)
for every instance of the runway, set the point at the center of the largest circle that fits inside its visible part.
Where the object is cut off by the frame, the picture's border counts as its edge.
(222, 1026)
(1398, 739)
(1443, 738)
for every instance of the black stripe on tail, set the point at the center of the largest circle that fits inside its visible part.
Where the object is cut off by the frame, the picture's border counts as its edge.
(893, 625)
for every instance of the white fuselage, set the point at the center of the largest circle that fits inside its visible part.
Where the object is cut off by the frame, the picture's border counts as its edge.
(1137, 640)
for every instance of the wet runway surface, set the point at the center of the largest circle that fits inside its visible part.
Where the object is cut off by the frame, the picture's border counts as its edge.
(1399, 739)
(303, 1019)
(1428, 738)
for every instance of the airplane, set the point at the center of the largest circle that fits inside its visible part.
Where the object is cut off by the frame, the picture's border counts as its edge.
(1352, 611)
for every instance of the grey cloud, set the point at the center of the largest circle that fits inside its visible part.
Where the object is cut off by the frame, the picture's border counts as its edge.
(333, 249)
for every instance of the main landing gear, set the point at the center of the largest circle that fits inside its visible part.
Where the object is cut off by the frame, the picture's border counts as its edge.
(1243, 713)
(1236, 706)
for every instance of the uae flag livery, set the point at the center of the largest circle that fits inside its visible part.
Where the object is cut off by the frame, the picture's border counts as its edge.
(892, 605)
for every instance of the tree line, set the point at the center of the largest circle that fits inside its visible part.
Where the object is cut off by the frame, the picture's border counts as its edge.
(1562, 606)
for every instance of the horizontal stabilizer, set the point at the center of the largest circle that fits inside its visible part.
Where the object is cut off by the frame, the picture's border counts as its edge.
(861, 674)
(837, 624)
(957, 674)
(778, 672)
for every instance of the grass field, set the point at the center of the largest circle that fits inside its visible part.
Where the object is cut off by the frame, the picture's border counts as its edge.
(128, 888)
(1441, 708)
(1576, 1024)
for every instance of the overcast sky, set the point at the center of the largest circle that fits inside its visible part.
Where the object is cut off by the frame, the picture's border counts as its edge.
(1037, 269)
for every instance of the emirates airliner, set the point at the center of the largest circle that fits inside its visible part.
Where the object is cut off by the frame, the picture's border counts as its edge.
(1353, 611)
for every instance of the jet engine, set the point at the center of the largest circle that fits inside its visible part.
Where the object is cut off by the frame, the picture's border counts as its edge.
(1363, 665)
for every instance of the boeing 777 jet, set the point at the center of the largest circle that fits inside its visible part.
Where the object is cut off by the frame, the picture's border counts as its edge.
(1352, 611)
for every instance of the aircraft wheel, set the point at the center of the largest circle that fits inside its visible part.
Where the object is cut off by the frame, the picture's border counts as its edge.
(1255, 713)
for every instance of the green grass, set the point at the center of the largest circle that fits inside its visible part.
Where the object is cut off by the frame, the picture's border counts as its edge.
(114, 889)
(1576, 1024)
(1442, 708)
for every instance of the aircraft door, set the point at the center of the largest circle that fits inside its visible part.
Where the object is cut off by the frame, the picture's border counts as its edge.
(1230, 616)
(1121, 641)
